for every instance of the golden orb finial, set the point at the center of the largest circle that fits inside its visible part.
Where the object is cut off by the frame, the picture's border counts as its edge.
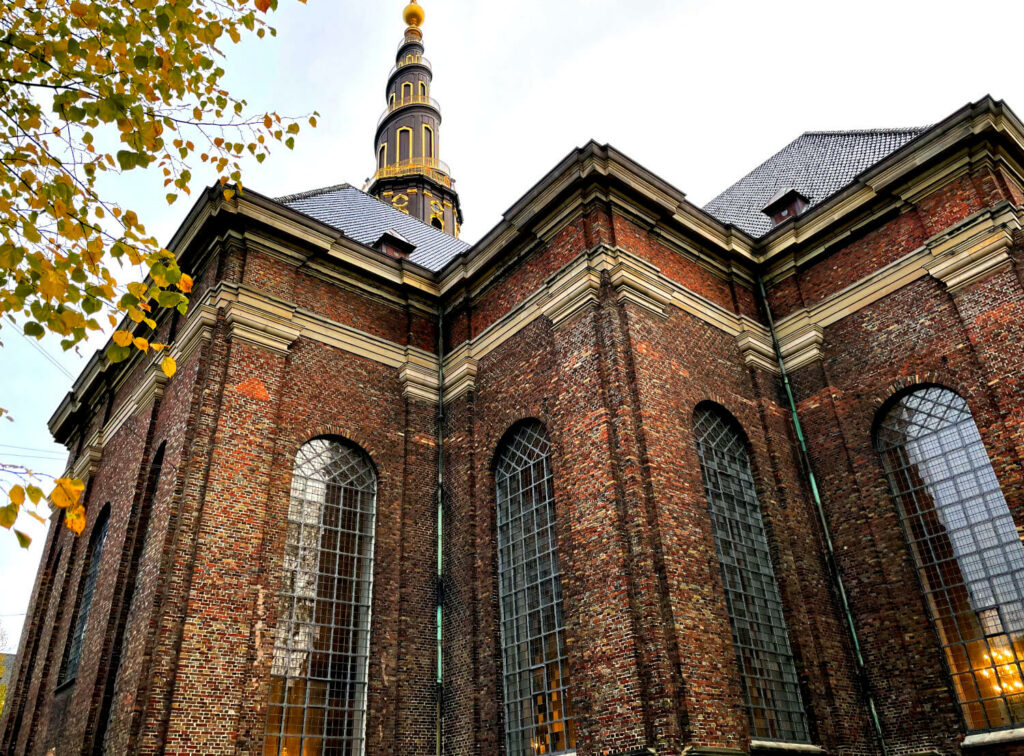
(413, 14)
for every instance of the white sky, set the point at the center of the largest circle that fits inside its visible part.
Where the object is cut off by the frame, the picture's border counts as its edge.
(700, 92)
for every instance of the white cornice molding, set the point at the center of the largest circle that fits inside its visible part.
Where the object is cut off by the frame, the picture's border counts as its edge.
(975, 250)
(892, 180)
(86, 464)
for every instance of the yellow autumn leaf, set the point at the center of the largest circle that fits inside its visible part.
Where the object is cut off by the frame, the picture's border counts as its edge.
(74, 520)
(78, 9)
(66, 492)
(122, 338)
(186, 283)
(169, 366)
(17, 496)
(141, 344)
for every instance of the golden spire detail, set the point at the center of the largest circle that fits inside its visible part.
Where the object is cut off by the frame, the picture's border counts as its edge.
(413, 15)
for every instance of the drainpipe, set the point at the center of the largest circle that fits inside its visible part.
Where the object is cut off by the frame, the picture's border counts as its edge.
(440, 514)
(833, 565)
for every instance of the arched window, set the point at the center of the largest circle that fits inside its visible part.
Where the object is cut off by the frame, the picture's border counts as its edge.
(382, 157)
(322, 643)
(407, 91)
(538, 708)
(965, 546)
(423, 89)
(91, 571)
(428, 142)
(404, 145)
(142, 518)
(391, 101)
(771, 689)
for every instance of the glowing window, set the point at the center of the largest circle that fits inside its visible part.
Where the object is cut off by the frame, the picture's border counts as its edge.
(965, 546)
(318, 678)
(771, 689)
(538, 708)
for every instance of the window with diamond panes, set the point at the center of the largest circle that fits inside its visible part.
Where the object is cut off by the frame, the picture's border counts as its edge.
(771, 689)
(73, 652)
(322, 642)
(538, 708)
(965, 546)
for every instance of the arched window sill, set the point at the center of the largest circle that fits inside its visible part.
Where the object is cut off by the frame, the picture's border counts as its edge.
(66, 685)
(982, 739)
(780, 746)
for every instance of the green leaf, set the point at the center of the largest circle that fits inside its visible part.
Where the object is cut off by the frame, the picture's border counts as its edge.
(169, 298)
(117, 353)
(127, 159)
(34, 329)
(8, 515)
(23, 540)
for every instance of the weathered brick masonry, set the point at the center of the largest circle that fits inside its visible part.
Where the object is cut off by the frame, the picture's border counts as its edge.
(608, 308)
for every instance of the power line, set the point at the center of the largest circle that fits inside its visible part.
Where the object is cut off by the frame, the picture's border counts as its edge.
(50, 358)
(32, 449)
(51, 458)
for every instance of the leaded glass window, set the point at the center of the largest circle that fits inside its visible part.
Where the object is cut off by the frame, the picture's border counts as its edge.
(965, 546)
(538, 707)
(318, 681)
(771, 690)
(73, 654)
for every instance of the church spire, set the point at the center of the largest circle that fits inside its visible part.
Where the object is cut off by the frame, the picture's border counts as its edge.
(410, 175)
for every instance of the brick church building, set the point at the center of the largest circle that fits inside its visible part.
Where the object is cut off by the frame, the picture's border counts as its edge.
(625, 476)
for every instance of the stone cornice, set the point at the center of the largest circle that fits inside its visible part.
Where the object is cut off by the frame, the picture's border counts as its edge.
(958, 257)
(898, 181)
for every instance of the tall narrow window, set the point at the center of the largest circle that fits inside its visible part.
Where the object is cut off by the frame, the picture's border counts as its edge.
(321, 647)
(382, 157)
(428, 142)
(423, 89)
(768, 674)
(141, 518)
(538, 708)
(404, 145)
(965, 546)
(91, 571)
(407, 91)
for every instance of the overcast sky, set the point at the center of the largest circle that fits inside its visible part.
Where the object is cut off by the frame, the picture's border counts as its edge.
(699, 92)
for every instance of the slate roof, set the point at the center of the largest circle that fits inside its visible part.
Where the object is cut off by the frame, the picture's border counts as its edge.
(365, 219)
(817, 164)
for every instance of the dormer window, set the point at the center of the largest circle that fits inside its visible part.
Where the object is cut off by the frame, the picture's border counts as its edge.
(788, 203)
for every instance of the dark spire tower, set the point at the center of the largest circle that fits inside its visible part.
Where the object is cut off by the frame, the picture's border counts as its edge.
(410, 176)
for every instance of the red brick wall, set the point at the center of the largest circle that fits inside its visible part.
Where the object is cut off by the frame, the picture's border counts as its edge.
(919, 334)
(197, 643)
(651, 657)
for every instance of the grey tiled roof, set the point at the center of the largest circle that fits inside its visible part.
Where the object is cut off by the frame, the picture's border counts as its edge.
(365, 219)
(817, 164)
